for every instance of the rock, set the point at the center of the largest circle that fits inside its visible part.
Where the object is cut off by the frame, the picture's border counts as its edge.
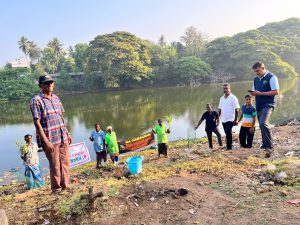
(283, 193)
(271, 167)
(3, 217)
(200, 183)
(280, 176)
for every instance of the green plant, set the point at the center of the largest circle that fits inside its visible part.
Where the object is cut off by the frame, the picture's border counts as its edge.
(22, 147)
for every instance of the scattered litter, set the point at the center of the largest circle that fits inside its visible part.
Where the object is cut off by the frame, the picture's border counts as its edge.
(293, 153)
(152, 199)
(137, 205)
(42, 209)
(271, 183)
(294, 201)
(46, 221)
(13, 182)
(167, 202)
(130, 196)
(13, 170)
(191, 211)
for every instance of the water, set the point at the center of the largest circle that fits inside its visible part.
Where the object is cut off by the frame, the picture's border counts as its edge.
(131, 113)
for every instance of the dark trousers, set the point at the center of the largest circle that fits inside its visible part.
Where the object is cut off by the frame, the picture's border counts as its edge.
(228, 131)
(101, 155)
(263, 116)
(162, 149)
(246, 138)
(209, 137)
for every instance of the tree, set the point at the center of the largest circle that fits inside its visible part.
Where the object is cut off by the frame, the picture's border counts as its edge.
(57, 46)
(121, 58)
(78, 53)
(37, 70)
(68, 65)
(34, 52)
(162, 62)
(180, 49)
(191, 69)
(195, 41)
(161, 41)
(24, 45)
(49, 60)
(275, 44)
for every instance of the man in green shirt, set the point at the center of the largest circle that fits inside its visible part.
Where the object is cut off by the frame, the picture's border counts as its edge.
(112, 144)
(161, 131)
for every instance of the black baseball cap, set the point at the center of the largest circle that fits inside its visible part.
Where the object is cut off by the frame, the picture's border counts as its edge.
(45, 78)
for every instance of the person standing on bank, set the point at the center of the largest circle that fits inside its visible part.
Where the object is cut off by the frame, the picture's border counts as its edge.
(212, 121)
(98, 137)
(228, 111)
(248, 116)
(52, 134)
(162, 139)
(265, 88)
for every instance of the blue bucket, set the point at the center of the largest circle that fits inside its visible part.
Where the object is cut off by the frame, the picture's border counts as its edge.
(134, 164)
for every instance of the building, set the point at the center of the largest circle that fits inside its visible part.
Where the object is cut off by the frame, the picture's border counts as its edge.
(20, 63)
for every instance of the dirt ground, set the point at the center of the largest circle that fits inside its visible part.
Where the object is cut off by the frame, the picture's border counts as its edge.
(223, 187)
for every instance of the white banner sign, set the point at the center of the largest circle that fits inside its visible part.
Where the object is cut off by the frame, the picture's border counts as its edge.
(79, 154)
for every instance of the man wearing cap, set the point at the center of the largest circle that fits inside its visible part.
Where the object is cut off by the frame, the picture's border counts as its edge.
(52, 134)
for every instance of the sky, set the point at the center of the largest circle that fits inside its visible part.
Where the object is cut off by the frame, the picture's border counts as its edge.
(80, 21)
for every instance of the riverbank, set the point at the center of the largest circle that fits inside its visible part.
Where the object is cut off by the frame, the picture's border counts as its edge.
(224, 187)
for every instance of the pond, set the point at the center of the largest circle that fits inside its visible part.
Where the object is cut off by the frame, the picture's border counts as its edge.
(131, 113)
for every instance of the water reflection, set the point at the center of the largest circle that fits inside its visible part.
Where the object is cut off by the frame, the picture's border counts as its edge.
(133, 112)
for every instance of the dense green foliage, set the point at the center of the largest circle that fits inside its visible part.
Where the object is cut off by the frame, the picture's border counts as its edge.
(191, 68)
(122, 60)
(275, 44)
(16, 83)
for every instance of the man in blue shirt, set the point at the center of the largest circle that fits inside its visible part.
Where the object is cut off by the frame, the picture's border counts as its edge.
(98, 137)
(265, 88)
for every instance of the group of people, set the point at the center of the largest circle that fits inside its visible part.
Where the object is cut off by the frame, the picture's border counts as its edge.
(265, 88)
(54, 138)
(102, 142)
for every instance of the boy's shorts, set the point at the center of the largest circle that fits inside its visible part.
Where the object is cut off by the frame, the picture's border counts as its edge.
(162, 148)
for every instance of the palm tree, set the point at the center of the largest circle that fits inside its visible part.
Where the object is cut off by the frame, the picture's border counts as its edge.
(56, 45)
(24, 45)
(162, 41)
(34, 51)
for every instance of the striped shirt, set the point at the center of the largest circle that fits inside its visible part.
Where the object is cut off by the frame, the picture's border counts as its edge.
(248, 116)
(50, 113)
